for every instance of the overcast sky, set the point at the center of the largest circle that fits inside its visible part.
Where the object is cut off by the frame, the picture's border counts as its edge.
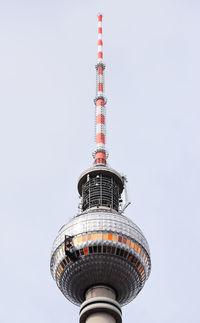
(48, 51)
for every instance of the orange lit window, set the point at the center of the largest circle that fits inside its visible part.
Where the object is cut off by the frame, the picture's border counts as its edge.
(79, 239)
(136, 247)
(86, 251)
(99, 236)
(61, 267)
(124, 240)
(109, 236)
(128, 242)
(58, 270)
(105, 236)
(94, 236)
(120, 239)
(139, 266)
(132, 244)
(89, 236)
(139, 249)
(84, 238)
(114, 237)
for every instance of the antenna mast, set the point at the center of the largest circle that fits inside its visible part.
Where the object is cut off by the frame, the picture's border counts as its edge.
(100, 155)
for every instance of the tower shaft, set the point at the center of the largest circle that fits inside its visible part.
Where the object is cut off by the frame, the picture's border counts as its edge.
(100, 306)
(100, 317)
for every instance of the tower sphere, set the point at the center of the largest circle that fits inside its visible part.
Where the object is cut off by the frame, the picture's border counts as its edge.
(107, 247)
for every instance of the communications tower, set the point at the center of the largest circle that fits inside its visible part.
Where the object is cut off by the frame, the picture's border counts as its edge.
(100, 259)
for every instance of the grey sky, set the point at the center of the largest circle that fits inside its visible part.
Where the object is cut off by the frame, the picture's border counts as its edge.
(47, 79)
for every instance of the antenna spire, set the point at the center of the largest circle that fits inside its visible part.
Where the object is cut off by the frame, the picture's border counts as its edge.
(100, 153)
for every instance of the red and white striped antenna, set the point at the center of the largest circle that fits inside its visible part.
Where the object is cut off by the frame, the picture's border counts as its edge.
(100, 155)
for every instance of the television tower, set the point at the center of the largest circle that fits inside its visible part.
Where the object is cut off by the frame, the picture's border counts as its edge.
(100, 259)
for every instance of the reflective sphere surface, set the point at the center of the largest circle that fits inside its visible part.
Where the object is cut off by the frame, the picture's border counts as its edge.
(107, 248)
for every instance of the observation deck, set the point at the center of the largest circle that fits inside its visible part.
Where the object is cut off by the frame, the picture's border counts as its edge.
(100, 186)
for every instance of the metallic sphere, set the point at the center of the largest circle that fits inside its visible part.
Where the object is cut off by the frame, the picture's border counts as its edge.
(106, 248)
